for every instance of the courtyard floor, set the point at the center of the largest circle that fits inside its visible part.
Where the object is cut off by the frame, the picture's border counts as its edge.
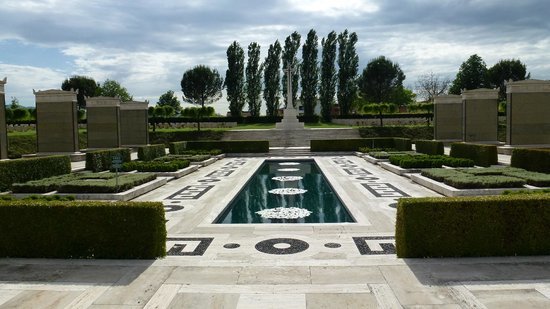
(344, 265)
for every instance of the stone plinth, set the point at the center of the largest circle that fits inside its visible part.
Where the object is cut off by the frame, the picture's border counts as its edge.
(480, 110)
(134, 126)
(3, 127)
(448, 119)
(528, 112)
(103, 126)
(56, 121)
(290, 120)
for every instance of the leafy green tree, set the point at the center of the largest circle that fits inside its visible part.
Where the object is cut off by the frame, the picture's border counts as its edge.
(169, 99)
(14, 103)
(87, 87)
(20, 113)
(234, 79)
(292, 44)
(310, 73)
(201, 85)
(112, 88)
(253, 84)
(272, 78)
(348, 63)
(505, 70)
(471, 75)
(327, 88)
(381, 81)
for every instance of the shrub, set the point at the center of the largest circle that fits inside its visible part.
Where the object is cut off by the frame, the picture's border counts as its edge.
(21, 170)
(155, 165)
(430, 147)
(483, 155)
(101, 160)
(176, 148)
(532, 178)
(354, 144)
(121, 230)
(413, 132)
(427, 161)
(150, 152)
(473, 226)
(162, 137)
(468, 181)
(536, 160)
(230, 146)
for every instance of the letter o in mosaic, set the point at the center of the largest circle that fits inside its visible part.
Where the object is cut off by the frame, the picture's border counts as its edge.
(209, 180)
(295, 246)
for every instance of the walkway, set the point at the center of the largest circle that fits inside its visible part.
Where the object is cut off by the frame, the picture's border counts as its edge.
(279, 266)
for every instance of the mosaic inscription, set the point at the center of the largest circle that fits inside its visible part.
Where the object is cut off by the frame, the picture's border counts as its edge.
(194, 246)
(384, 190)
(191, 192)
(375, 245)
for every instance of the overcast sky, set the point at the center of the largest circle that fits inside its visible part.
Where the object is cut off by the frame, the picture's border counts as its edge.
(147, 45)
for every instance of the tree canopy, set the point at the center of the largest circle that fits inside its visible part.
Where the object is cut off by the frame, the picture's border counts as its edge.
(201, 85)
(272, 78)
(87, 87)
(348, 63)
(310, 73)
(327, 87)
(432, 85)
(471, 75)
(169, 99)
(292, 44)
(234, 79)
(505, 70)
(253, 84)
(112, 88)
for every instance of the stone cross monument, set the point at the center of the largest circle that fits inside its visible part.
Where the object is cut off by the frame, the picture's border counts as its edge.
(3, 128)
(290, 119)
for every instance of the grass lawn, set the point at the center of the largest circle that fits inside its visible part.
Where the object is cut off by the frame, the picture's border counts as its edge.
(328, 125)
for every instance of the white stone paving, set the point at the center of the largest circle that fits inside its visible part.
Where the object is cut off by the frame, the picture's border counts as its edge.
(330, 273)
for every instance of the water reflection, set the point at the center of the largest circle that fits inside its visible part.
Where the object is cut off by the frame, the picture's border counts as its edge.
(319, 198)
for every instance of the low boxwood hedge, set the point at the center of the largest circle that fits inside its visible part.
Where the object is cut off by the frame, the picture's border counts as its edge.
(473, 226)
(429, 161)
(21, 170)
(155, 165)
(251, 146)
(78, 229)
(84, 183)
(150, 152)
(492, 177)
(101, 160)
(483, 155)
(354, 144)
(429, 147)
(536, 160)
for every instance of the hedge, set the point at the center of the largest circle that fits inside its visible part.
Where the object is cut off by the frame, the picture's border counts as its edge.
(536, 160)
(78, 229)
(155, 165)
(353, 144)
(491, 177)
(412, 132)
(22, 170)
(252, 146)
(165, 137)
(505, 225)
(483, 155)
(150, 152)
(101, 160)
(430, 147)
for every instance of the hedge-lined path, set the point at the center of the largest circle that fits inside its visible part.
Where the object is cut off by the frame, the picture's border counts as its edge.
(279, 266)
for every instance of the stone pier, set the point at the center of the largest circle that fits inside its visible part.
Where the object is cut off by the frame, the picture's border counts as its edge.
(528, 113)
(134, 126)
(480, 110)
(103, 115)
(3, 127)
(56, 122)
(448, 118)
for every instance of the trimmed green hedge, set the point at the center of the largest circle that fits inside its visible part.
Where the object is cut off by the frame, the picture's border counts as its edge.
(150, 152)
(176, 148)
(353, 144)
(412, 132)
(430, 147)
(21, 170)
(483, 155)
(163, 137)
(101, 160)
(491, 177)
(429, 161)
(229, 146)
(155, 165)
(77, 229)
(474, 226)
(536, 160)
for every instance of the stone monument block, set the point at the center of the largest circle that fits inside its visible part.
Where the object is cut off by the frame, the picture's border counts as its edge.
(448, 119)
(103, 114)
(3, 127)
(480, 110)
(528, 112)
(56, 121)
(134, 125)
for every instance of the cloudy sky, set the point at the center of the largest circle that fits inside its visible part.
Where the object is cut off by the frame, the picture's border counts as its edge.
(147, 45)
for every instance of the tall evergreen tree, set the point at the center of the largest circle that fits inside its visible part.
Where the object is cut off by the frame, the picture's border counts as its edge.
(327, 88)
(505, 70)
(292, 44)
(234, 78)
(253, 85)
(348, 63)
(471, 75)
(310, 73)
(87, 87)
(272, 78)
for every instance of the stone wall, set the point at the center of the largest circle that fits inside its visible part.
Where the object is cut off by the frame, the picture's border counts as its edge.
(3, 127)
(448, 118)
(103, 123)
(480, 110)
(134, 129)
